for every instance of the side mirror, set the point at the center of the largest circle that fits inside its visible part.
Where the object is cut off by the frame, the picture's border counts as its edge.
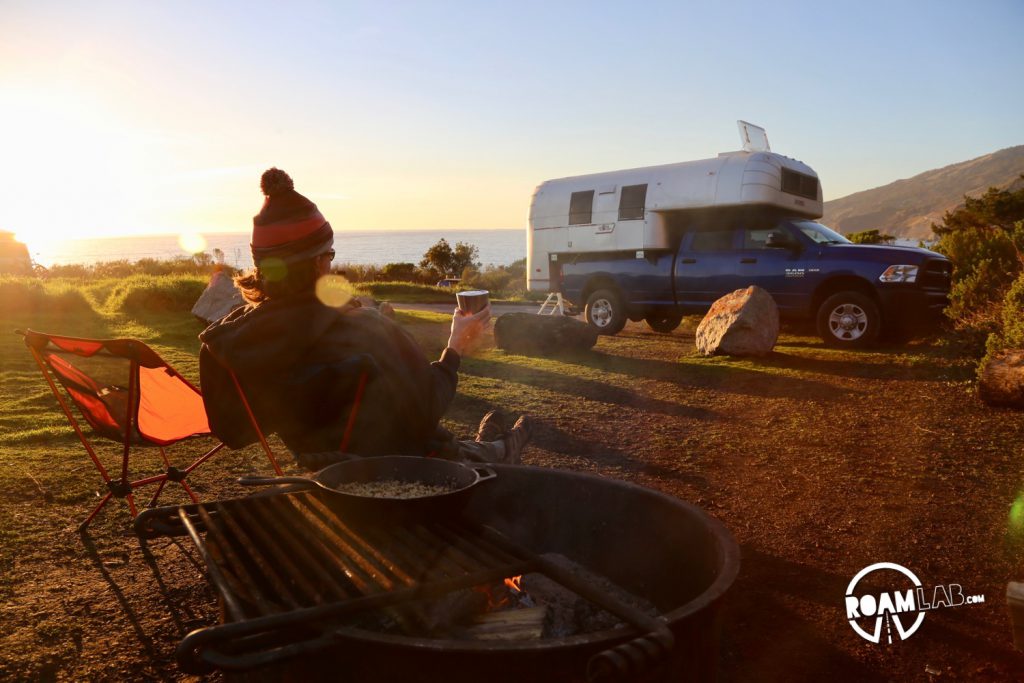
(780, 240)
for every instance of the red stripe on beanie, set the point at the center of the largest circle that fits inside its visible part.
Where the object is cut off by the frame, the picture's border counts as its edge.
(282, 232)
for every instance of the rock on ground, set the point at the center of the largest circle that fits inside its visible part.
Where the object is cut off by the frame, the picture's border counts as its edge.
(1002, 379)
(743, 323)
(218, 299)
(541, 335)
(382, 307)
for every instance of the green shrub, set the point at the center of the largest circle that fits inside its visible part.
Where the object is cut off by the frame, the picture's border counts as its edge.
(402, 272)
(870, 237)
(199, 264)
(1013, 315)
(1010, 321)
(358, 272)
(29, 296)
(141, 294)
(502, 281)
(985, 240)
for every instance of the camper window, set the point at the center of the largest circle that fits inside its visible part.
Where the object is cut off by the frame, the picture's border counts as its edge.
(631, 203)
(581, 207)
(799, 184)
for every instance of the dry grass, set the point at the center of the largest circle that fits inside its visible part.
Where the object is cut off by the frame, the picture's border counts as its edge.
(820, 462)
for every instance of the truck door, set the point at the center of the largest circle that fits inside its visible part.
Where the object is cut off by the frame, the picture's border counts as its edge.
(780, 271)
(705, 267)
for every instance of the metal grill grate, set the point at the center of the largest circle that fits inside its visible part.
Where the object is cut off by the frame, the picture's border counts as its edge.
(293, 571)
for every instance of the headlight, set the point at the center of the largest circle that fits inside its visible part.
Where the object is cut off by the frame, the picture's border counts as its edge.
(899, 274)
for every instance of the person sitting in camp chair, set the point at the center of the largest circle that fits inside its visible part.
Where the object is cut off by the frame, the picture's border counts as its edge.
(329, 379)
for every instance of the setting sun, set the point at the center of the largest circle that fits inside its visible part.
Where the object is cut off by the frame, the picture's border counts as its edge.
(79, 172)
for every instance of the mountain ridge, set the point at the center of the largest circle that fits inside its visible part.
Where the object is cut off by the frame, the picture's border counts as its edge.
(908, 207)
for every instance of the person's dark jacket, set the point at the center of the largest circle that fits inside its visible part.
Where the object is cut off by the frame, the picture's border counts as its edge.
(299, 364)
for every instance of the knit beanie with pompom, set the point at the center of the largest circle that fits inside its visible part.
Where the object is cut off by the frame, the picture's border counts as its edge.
(289, 226)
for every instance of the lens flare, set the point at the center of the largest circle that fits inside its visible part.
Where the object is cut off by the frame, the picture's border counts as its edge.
(273, 269)
(1017, 515)
(192, 242)
(333, 291)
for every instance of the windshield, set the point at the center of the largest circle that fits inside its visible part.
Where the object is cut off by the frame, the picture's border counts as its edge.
(819, 233)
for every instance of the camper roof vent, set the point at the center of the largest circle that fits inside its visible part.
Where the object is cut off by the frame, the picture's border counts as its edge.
(753, 138)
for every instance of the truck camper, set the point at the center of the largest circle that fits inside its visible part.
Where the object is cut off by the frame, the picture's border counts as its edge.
(658, 242)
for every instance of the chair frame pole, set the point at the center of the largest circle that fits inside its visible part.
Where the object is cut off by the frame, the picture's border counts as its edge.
(124, 487)
(71, 418)
(350, 426)
(252, 420)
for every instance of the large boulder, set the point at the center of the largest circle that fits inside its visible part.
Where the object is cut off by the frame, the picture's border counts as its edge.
(542, 335)
(1001, 380)
(744, 323)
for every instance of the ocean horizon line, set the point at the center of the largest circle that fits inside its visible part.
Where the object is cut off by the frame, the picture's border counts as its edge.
(496, 246)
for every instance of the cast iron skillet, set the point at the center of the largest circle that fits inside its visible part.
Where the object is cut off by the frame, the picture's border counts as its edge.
(457, 477)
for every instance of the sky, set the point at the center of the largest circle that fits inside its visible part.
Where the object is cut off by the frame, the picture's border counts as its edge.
(127, 118)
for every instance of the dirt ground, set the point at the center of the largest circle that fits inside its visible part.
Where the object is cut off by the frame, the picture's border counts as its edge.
(819, 462)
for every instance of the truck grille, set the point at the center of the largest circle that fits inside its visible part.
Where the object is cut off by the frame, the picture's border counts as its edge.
(936, 274)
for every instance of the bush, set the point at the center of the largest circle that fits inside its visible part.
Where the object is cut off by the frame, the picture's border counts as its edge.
(357, 272)
(141, 294)
(402, 272)
(870, 237)
(199, 264)
(502, 281)
(985, 240)
(1010, 334)
(29, 296)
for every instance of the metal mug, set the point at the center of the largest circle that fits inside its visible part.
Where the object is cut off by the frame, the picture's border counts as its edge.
(473, 300)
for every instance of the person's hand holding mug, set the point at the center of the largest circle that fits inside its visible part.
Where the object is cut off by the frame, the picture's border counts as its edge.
(467, 329)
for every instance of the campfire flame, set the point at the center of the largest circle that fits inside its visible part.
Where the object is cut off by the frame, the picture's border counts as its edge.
(495, 600)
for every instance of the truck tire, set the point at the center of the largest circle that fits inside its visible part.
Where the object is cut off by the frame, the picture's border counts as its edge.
(849, 319)
(664, 322)
(605, 311)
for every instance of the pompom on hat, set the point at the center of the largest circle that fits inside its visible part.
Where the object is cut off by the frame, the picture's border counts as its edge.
(289, 226)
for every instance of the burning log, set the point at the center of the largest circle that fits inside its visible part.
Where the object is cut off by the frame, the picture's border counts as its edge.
(521, 623)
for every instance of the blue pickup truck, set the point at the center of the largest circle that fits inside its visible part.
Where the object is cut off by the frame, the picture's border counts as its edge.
(853, 292)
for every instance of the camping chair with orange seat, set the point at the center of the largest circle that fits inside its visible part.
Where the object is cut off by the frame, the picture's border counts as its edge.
(126, 393)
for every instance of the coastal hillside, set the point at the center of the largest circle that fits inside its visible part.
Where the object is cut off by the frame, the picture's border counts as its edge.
(907, 208)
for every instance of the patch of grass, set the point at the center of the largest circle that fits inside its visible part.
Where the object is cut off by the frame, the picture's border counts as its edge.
(422, 317)
(26, 297)
(408, 292)
(149, 294)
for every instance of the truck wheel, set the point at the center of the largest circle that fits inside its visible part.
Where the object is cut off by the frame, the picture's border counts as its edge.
(605, 311)
(664, 322)
(849, 319)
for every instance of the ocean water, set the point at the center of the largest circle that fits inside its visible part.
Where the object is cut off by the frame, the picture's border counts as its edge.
(497, 247)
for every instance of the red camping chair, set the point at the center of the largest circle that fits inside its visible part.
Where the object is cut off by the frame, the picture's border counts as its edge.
(126, 393)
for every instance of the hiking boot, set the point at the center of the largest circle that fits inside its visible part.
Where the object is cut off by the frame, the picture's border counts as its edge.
(516, 440)
(492, 427)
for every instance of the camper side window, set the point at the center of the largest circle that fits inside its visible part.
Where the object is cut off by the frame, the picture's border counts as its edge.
(581, 208)
(631, 203)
